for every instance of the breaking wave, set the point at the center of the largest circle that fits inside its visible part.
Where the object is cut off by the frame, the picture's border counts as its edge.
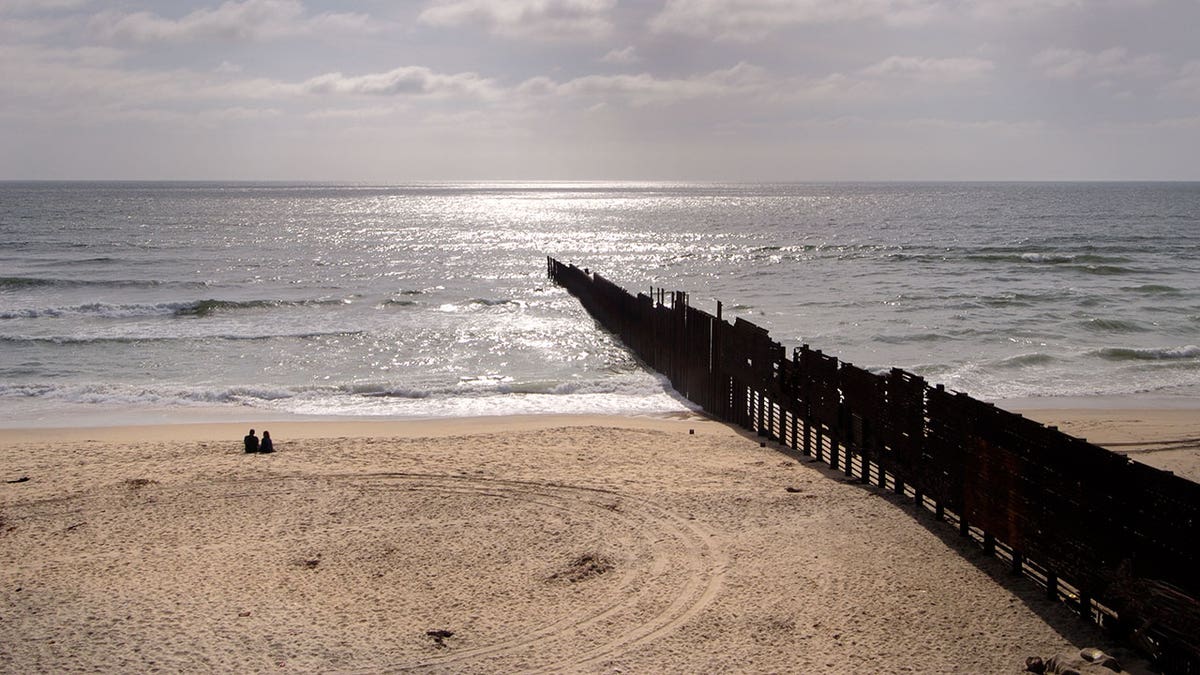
(634, 393)
(192, 308)
(1149, 354)
(35, 282)
(140, 339)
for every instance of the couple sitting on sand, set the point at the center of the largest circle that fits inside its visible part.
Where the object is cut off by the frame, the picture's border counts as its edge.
(253, 445)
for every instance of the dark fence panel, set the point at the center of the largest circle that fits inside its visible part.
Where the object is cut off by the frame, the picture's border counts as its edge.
(1116, 539)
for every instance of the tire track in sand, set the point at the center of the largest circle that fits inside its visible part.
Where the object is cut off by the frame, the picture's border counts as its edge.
(673, 569)
(685, 571)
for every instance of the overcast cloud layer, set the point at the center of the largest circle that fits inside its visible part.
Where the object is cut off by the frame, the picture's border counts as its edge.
(601, 89)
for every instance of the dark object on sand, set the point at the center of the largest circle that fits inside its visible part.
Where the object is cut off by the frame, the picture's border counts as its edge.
(1089, 661)
(583, 567)
(22, 479)
(439, 636)
(266, 445)
(251, 442)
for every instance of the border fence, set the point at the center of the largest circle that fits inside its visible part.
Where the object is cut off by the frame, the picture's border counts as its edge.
(1117, 540)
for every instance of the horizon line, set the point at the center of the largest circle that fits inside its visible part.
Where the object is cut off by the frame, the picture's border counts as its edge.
(579, 181)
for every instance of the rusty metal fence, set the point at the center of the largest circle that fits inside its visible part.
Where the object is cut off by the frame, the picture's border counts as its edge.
(1117, 540)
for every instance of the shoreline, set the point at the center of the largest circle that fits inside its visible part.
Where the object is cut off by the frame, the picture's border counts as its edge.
(1166, 438)
(334, 427)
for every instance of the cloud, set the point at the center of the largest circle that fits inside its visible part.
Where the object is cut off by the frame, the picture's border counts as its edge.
(892, 78)
(990, 126)
(17, 60)
(1074, 64)
(408, 80)
(1187, 82)
(1173, 125)
(86, 79)
(232, 21)
(929, 70)
(837, 87)
(646, 89)
(1013, 8)
(622, 57)
(753, 19)
(79, 82)
(18, 27)
(752, 86)
(858, 124)
(1017, 9)
(526, 19)
(1186, 123)
(38, 6)
(206, 117)
(373, 112)
(747, 20)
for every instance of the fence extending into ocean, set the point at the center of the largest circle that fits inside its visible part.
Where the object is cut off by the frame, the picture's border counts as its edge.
(1117, 540)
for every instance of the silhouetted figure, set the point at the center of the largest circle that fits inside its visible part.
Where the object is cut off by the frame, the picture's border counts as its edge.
(251, 442)
(266, 445)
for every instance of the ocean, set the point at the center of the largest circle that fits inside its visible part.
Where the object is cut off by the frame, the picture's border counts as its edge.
(144, 302)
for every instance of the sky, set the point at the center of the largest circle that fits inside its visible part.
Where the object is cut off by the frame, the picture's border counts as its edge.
(672, 90)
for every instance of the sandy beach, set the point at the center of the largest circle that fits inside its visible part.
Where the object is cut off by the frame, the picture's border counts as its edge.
(518, 544)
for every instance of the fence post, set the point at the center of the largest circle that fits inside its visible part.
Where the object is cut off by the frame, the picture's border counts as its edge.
(1023, 485)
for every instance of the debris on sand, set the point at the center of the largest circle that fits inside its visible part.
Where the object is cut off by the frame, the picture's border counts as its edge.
(583, 568)
(439, 636)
